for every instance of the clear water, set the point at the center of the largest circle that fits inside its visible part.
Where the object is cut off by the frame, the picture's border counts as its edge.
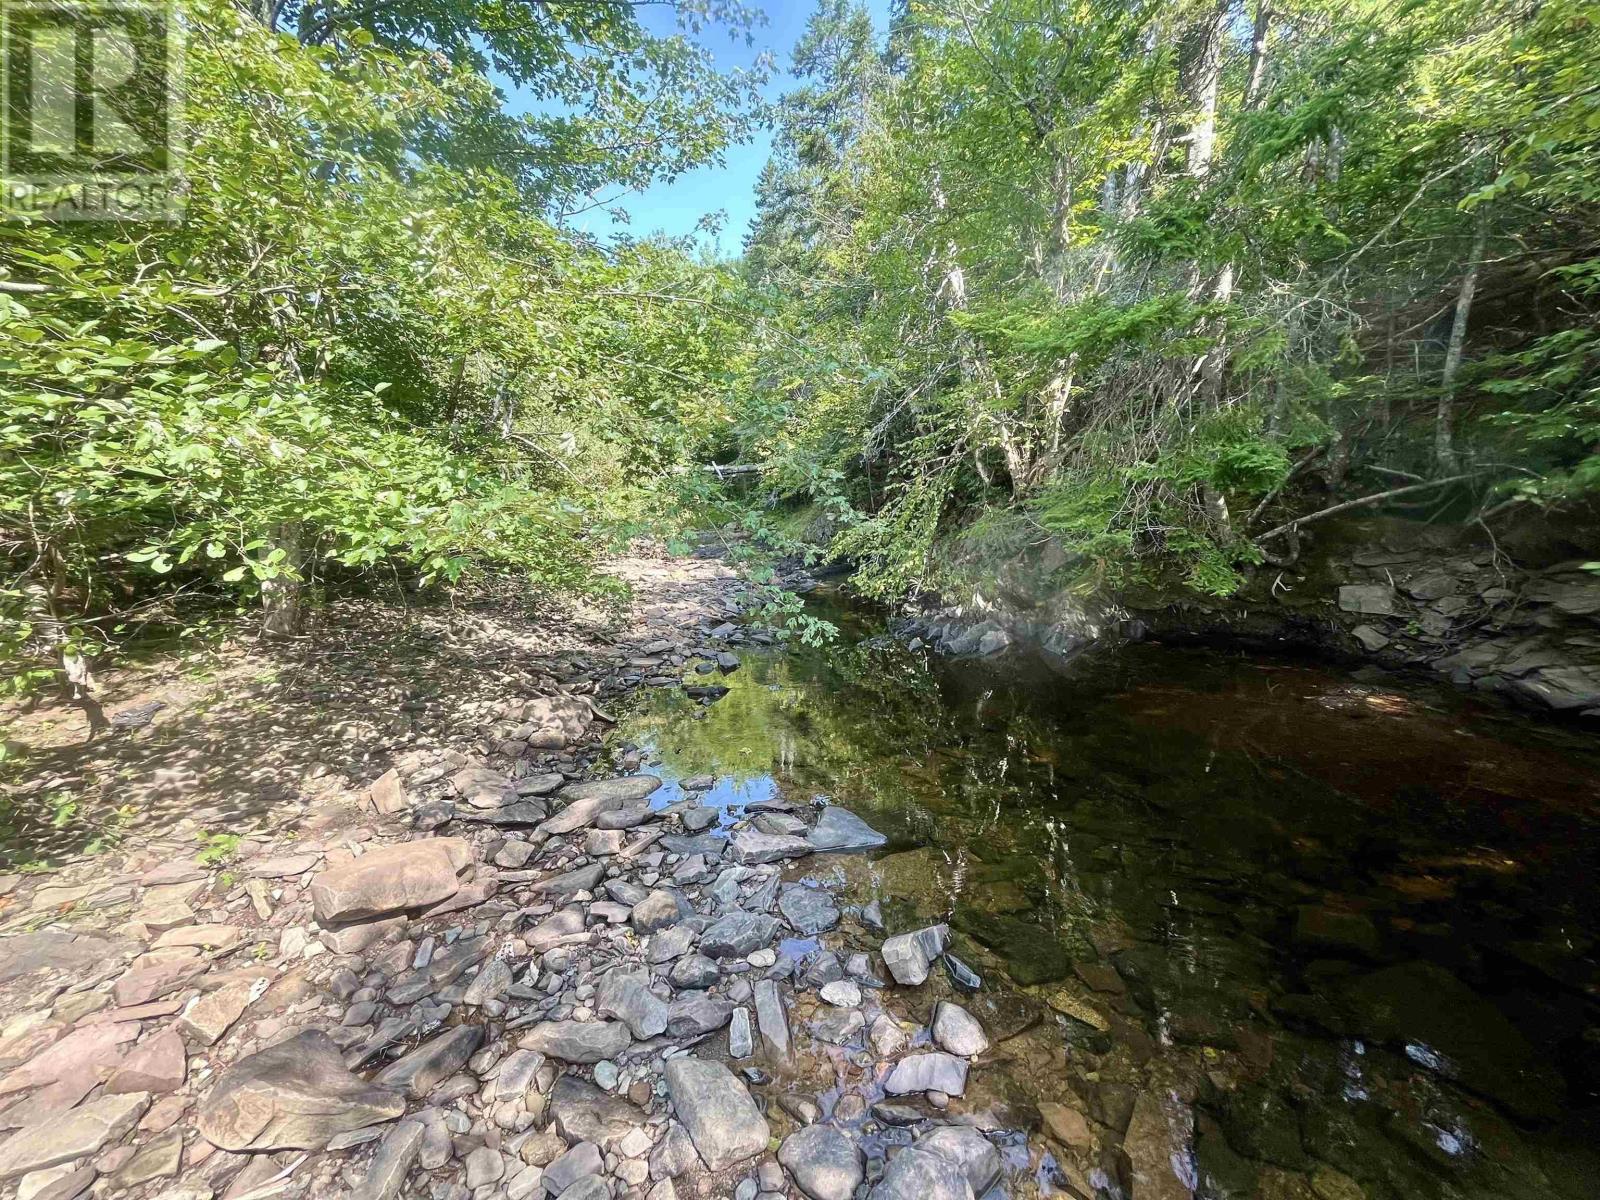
(1343, 931)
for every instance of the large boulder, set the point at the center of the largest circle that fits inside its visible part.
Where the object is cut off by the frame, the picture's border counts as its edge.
(292, 1096)
(715, 1107)
(389, 879)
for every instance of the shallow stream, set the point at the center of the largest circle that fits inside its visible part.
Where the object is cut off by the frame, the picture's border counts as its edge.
(1340, 929)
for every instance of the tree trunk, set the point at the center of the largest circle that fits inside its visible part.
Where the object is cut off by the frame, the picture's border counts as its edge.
(283, 598)
(1444, 449)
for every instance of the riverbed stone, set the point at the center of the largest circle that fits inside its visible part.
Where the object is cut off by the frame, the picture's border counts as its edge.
(63, 1137)
(658, 910)
(208, 1018)
(582, 1112)
(625, 994)
(909, 956)
(750, 847)
(839, 829)
(716, 1109)
(399, 1150)
(928, 1073)
(291, 1096)
(430, 1064)
(810, 910)
(917, 1174)
(772, 1021)
(389, 879)
(958, 1031)
(157, 1065)
(673, 1154)
(694, 971)
(977, 1156)
(825, 1163)
(586, 801)
(737, 934)
(695, 1013)
(580, 1162)
(578, 1041)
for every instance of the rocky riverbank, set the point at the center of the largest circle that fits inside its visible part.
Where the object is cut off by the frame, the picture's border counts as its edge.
(481, 956)
(1441, 600)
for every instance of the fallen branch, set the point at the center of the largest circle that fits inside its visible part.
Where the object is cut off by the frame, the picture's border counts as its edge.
(721, 471)
(1363, 502)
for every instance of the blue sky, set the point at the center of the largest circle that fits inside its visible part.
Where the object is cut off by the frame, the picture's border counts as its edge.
(675, 208)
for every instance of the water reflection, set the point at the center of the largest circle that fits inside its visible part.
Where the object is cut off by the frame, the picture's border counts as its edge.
(1348, 925)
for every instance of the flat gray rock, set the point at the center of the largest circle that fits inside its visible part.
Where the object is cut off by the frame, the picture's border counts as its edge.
(695, 1013)
(292, 1096)
(839, 829)
(578, 1041)
(825, 1163)
(396, 1153)
(431, 1063)
(674, 1153)
(976, 1155)
(772, 1022)
(738, 934)
(716, 1109)
(810, 910)
(583, 1113)
(656, 911)
(586, 801)
(625, 994)
(916, 1174)
(584, 879)
(928, 1073)
(751, 846)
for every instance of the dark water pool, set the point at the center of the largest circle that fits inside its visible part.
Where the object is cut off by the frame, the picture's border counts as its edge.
(1344, 929)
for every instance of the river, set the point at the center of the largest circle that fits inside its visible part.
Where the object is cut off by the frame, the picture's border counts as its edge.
(1341, 928)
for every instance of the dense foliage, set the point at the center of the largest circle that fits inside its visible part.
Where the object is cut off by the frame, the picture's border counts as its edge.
(366, 349)
(1124, 289)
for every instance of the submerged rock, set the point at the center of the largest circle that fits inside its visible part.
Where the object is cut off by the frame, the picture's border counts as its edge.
(1440, 1023)
(839, 829)
(810, 910)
